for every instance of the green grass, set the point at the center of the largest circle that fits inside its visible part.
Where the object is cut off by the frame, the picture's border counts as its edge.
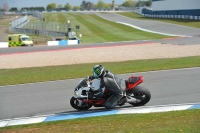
(4, 24)
(187, 121)
(184, 22)
(4, 21)
(95, 29)
(39, 74)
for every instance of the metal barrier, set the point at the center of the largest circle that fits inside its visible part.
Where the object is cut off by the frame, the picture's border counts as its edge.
(38, 15)
(168, 16)
(3, 44)
(19, 22)
(23, 25)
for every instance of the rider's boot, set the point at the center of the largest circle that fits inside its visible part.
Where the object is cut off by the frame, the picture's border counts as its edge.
(123, 100)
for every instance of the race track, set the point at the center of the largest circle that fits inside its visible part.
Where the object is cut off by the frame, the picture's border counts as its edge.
(167, 87)
(152, 26)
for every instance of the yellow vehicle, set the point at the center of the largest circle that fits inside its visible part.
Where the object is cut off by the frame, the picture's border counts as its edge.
(19, 40)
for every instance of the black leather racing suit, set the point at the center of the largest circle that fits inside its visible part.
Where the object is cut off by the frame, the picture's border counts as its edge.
(115, 85)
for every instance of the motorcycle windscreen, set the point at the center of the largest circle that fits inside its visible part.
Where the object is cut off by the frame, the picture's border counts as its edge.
(81, 83)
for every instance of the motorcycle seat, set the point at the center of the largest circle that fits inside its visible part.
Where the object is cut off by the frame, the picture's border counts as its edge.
(133, 80)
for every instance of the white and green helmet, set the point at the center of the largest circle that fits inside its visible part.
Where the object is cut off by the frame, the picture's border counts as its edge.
(97, 70)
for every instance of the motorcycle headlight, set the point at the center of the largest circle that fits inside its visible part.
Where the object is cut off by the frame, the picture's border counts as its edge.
(75, 93)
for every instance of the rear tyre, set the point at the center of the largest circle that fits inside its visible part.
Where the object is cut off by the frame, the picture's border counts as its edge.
(75, 104)
(142, 94)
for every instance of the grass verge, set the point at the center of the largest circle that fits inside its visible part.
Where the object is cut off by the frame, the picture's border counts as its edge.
(184, 22)
(187, 121)
(40, 74)
(95, 29)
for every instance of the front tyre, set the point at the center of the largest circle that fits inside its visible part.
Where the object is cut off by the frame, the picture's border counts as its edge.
(75, 104)
(140, 93)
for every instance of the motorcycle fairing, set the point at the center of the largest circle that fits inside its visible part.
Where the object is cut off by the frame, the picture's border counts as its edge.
(79, 93)
(133, 82)
(96, 103)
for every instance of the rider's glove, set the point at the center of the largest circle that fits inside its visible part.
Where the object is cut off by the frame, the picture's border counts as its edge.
(90, 77)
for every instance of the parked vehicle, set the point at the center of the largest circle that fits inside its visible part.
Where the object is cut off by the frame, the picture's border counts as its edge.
(19, 40)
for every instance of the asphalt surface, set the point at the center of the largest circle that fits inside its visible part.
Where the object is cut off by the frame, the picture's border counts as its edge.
(170, 40)
(156, 26)
(181, 41)
(166, 87)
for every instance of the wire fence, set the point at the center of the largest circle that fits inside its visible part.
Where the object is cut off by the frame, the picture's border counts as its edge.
(38, 15)
(39, 27)
(48, 26)
(19, 22)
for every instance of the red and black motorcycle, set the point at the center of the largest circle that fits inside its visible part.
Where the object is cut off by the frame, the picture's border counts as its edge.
(86, 95)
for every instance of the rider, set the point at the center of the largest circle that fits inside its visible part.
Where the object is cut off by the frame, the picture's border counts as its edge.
(115, 85)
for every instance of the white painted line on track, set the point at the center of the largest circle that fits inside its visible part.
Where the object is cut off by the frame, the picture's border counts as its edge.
(3, 123)
(139, 28)
(25, 121)
(157, 21)
(66, 116)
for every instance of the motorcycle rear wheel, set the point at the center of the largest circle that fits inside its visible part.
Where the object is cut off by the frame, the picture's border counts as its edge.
(75, 104)
(140, 93)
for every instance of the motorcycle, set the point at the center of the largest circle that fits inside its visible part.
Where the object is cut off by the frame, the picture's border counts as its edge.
(88, 94)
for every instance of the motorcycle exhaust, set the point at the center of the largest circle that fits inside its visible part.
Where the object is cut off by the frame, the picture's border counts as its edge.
(132, 100)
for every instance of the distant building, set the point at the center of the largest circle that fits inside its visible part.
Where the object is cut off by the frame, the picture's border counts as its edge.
(113, 4)
(176, 7)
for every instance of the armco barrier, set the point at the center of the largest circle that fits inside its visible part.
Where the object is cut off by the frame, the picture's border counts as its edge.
(3, 44)
(169, 16)
(63, 42)
(49, 43)
(68, 42)
(52, 43)
(172, 16)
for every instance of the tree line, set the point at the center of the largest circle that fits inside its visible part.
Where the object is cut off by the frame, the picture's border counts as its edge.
(84, 5)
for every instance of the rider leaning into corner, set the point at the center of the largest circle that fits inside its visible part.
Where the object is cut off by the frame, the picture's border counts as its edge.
(115, 85)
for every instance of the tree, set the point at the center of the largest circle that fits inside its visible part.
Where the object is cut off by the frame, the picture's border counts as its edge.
(32, 9)
(13, 9)
(126, 4)
(129, 3)
(5, 7)
(39, 9)
(51, 6)
(42, 9)
(89, 5)
(100, 4)
(68, 6)
(149, 3)
(110, 5)
(83, 4)
(76, 8)
(59, 6)
(144, 3)
(86, 5)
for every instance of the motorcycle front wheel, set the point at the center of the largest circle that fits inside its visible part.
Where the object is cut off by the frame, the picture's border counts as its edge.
(140, 93)
(75, 104)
